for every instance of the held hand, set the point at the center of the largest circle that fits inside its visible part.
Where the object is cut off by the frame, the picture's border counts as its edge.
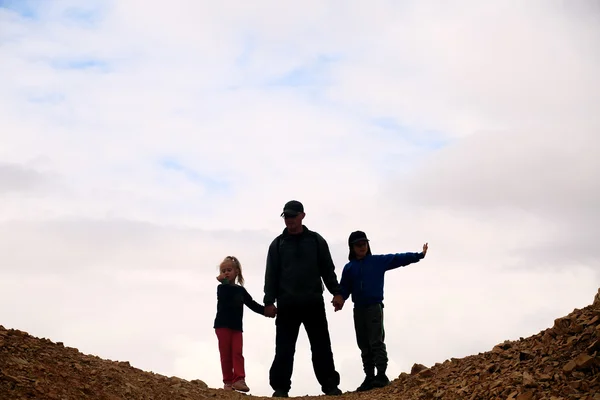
(338, 302)
(425, 247)
(220, 277)
(270, 311)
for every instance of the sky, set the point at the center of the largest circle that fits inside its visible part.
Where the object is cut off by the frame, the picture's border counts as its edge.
(141, 143)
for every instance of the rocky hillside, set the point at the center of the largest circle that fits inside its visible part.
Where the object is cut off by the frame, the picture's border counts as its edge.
(561, 362)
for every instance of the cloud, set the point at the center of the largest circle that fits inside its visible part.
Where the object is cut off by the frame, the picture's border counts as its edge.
(19, 178)
(142, 143)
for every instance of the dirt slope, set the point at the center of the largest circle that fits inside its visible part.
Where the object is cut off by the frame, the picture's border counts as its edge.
(558, 363)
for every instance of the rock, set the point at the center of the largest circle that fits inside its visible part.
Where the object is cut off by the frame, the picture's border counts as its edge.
(593, 321)
(584, 361)
(200, 383)
(528, 380)
(426, 373)
(512, 395)
(570, 366)
(525, 355)
(525, 396)
(416, 368)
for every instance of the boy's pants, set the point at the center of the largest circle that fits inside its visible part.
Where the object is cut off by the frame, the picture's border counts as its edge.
(289, 319)
(368, 324)
(232, 360)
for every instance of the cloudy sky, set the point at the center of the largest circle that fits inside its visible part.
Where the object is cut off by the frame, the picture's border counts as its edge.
(143, 142)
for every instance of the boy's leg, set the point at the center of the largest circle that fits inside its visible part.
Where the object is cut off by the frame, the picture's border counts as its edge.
(361, 327)
(237, 344)
(317, 330)
(376, 341)
(224, 337)
(287, 325)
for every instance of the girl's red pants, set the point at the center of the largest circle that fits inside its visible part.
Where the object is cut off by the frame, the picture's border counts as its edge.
(232, 360)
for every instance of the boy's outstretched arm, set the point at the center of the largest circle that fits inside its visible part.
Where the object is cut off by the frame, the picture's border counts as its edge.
(392, 261)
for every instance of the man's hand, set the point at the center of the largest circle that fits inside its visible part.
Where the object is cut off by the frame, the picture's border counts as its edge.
(425, 249)
(338, 302)
(270, 311)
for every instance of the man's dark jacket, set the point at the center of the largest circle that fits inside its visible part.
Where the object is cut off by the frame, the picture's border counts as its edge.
(295, 266)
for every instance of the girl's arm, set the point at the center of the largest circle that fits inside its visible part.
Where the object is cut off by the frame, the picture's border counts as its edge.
(253, 305)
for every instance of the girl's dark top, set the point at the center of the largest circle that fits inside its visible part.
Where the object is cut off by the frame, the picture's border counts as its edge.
(230, 306)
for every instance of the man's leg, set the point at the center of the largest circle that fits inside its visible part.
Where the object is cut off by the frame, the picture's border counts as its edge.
(315, 323)
(287, 325)
(224, 337)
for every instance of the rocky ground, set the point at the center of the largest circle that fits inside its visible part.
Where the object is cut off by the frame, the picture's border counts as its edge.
(561, 362)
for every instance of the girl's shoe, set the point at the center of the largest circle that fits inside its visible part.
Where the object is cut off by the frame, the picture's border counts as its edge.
(241, 386)
(227, 386)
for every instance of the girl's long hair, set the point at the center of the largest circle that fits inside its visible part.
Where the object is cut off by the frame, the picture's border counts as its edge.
(237, 266)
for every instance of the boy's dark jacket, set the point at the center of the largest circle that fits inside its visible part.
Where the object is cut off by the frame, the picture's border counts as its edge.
(364, 278)
(230, 305)
(295, 266)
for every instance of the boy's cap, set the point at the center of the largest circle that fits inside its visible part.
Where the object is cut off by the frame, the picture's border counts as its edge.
(357, 236)
(292, 208)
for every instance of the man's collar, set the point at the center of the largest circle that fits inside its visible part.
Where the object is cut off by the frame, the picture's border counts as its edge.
(286, 233)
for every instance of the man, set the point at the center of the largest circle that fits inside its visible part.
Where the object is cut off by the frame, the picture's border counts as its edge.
(297, 261)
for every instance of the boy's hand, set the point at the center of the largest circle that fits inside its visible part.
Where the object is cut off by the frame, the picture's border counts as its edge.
(425, 247)
(338, 302)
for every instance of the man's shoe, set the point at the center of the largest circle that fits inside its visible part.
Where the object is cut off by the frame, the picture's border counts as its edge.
(280, 393)
(367, 384)
(227, 386)
(381, 380)
(334, 391)
(241, 386)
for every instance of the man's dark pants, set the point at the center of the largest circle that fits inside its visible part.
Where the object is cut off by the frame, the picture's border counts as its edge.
(288, 321)
(370, 336)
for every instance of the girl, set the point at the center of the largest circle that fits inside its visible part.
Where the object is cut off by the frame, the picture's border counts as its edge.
(231, 298)
(362, 278)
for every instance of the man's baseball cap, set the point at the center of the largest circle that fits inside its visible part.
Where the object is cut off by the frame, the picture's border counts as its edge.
(292, 208)
(357, 236)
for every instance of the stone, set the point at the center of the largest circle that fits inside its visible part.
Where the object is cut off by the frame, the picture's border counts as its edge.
(584, 361)
(525, 396)
(525, 355)
(426, 373)
(416, 368)
(570, 366)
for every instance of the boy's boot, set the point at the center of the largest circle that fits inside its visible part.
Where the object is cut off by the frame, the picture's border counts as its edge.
(369, 378)
(367, 383)
(381, 378)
